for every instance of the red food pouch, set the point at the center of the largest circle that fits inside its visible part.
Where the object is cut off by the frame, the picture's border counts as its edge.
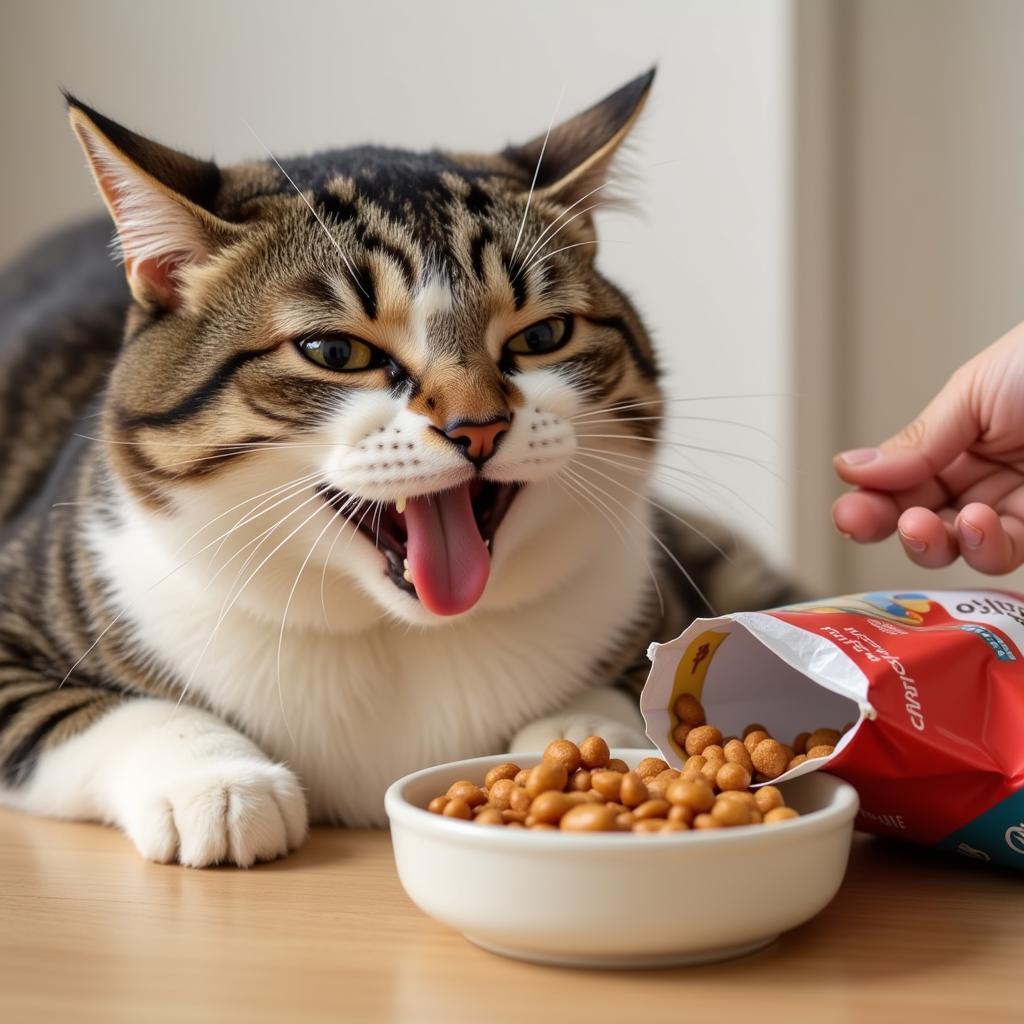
(931, 684)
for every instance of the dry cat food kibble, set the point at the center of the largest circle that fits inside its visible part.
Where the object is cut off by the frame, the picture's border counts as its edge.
(583, 789)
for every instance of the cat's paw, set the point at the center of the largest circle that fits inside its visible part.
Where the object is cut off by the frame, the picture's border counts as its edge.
(576, 727)
(234, 811)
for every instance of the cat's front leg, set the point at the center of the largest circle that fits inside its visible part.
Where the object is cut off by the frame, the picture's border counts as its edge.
(600, 711)
(181, 783)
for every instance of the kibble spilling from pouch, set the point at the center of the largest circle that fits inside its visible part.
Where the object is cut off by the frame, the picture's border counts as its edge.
(582, 789)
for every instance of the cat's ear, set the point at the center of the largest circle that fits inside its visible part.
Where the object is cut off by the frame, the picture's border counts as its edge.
(577, 153)
(160, 201)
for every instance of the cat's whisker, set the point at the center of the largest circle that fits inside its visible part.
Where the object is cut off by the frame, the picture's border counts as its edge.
(619, 529)
(656, 473)
(225, 611)
(568, 209)
(550, 255)
(690, 447)
(302, 195)
(126, 608)
(536, 175)
(654, 504)
(330, 552)
(703, 478)
(284, 618)
(687, 419)
(525, 264)
(207, 445)
(655, 538)
(677, 399)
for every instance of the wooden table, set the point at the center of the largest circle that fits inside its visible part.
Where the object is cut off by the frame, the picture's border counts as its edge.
(90, 932)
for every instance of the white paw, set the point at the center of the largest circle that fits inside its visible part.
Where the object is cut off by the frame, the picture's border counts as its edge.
(236, 811)
(576, 727)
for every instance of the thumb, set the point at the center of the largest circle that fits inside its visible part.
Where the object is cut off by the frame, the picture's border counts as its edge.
(947, 427)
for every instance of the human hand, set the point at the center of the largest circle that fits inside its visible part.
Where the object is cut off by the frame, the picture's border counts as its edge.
(951, 482)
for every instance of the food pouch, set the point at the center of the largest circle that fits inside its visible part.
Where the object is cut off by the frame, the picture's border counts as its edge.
(933, 683)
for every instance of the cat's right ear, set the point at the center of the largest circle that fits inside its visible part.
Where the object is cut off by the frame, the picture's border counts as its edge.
(160, 201)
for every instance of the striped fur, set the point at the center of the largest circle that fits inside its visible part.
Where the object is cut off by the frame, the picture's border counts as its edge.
(129, 422)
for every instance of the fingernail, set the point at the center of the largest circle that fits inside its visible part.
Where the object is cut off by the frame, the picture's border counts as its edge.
(970, 534)
(858, 456)
(912, 542)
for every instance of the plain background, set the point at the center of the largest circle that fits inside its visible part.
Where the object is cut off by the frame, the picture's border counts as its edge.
(831, 192)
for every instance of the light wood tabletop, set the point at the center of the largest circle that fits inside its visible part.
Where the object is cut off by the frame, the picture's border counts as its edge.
(90, 932)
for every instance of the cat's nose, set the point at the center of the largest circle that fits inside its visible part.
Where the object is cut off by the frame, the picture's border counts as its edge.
(478, 441)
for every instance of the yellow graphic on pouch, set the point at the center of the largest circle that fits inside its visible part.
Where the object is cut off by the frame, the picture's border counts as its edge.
(690, 673)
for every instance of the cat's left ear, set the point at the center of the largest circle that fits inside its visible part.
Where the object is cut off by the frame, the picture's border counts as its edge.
(160, 201)
(578, 152)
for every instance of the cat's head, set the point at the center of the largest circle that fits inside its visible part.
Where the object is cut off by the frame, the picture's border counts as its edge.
(385, 370)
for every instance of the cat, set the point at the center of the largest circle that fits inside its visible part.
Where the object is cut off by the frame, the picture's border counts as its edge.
(340, 475)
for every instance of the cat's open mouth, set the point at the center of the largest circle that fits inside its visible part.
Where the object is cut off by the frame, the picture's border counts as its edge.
(436, 547)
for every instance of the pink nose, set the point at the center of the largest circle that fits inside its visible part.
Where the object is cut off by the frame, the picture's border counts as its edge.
(478, 440)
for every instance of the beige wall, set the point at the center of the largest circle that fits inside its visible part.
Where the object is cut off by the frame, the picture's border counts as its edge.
(926, 184)
(707, 259)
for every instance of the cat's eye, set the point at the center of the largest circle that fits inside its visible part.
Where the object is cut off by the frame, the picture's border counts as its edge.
(542, 337)
(343, 352)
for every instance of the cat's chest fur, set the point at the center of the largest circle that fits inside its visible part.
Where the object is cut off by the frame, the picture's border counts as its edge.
(351, 713)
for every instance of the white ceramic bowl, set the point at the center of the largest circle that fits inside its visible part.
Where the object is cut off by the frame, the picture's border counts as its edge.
(619, 899)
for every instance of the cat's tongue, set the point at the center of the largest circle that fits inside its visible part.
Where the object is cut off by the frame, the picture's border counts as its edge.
(448, 560)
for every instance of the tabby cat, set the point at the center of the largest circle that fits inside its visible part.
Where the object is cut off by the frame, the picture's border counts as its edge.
(347, 481)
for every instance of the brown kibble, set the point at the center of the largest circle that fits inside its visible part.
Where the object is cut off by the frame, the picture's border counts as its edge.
(689, 710)
(550, 806)
(588, 818)
(468, 791)
(437, 805)
(508, 770)
(736, 753)
(514, 824)
(594, 752)
(457, 808)
(581, 780)
(799, 759)
(651, 809)
(616, 764)
(608, 784)
(592, 796)
(768, 798)
(780, 814)
(714, 752)
(731, 813)
(732, 776)
(624, 821)
(681, 813)
(489, 816)
(756, 817)
(706, 821)
(697, 795)
(546, 775)
(752, 738)
(820, 750)
(649, 825)
(510, 816)
(675, 826)
(743, 795)
(519, 799)
(679, 734)
(800, 743)
(541, 826)
(701, 737)
(649, 767)
(692, 767)
(668, 776)
(754, 727)
(500, 794)
(822, 738)
(520, 779)
(709, 773)
(769, 758)
(632, 791)
(565, 753)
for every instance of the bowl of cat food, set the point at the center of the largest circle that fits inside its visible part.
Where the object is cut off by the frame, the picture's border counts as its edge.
(589, 857)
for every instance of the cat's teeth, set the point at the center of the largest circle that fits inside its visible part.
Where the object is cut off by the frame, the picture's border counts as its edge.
(400, 505)
(487, 543)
